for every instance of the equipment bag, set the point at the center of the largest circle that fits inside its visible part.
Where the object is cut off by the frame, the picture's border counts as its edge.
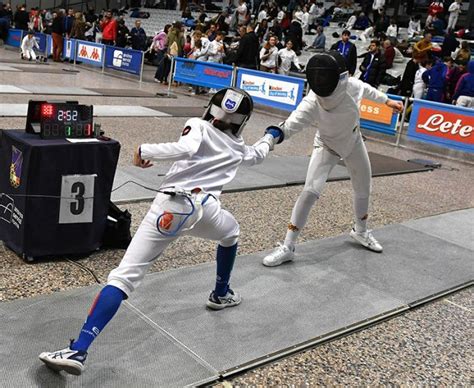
(117, 231)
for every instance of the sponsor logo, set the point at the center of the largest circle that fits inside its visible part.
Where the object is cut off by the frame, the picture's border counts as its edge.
(229, 104)
(251, 86)
(217, 73)
(16, 167)
(118, 57)
(375, 111)
(231, 101)
(166, 220)
(277, 91)
(452, 126)
(90, 52)
(9, 212)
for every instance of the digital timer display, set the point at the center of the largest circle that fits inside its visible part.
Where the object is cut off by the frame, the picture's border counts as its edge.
(62, 120)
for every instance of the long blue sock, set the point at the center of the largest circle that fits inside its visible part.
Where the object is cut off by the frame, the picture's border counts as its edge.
(105, 305)
(225, 262)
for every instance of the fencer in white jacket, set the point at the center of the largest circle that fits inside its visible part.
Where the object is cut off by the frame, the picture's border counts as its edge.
(207, 157)
(333, 106)
(28, 44)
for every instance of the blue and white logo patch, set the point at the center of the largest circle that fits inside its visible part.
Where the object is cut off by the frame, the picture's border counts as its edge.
(231, 101)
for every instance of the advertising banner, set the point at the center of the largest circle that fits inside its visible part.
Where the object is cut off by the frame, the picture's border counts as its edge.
(90, 53)
(378, 117)
(42, 40)
(207, 74)
(443, 125)
(277, 91)
(14, 37)
(50, 44)
(123, 59)
(69, 48)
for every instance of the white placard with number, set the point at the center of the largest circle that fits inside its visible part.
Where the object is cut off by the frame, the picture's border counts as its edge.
(77, 199)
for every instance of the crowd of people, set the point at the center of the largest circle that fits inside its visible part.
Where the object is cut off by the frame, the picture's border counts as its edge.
(266, 36)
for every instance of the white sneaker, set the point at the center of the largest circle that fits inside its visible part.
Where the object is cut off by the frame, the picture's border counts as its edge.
(280, 255)
(231, 299)
(367, 240)
(68, 360)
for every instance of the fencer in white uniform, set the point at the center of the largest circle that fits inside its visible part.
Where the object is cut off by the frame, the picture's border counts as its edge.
(28, 45)
(333, 106)
(207, 157)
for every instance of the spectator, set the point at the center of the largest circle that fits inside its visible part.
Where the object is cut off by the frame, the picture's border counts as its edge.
(377, 8)
(269, 56)
(435, 80)
(373, 66)
(21, 18)
(212, 32)
(68, 22)
(419, 86)
(36, 21)
(262, 14)
(454, 11)
(159, 45)
(287, 56)
(216, 51)
(392, 31)
(242, 17)
(79, 27)
(452, 78)
(362, 22)
(450, 44)
(422, 49)
(28, 45)
(122, 34)
(438, 25)
(319, 42)
(382, 23)
(464, 53)
(435, 8)
(464, 93)
(57, 30)
(408, 78)
(262, 30)
(348, 50)
(138, 36)
(91, 17)
(47, 21)
(295, 34)
(389, 53)
(248, 50)
(414, 26)
(351, 22)
(175, 40)
(367, 34)
(108, 25)
(305, 20)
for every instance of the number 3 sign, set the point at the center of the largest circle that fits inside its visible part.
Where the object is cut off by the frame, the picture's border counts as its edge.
(77, 199)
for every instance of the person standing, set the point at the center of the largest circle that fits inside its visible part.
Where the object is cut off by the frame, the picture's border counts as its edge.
(79, 27)
(454, 11)
(138, 36)
(248, 50)
(108, 26)
(348, 50)
(57, 31)
(269, 56)
(464, 93)
(333, 106)
(68, 22)
(287, 56)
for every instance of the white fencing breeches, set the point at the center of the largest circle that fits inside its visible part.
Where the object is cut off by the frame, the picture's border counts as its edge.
(29, 53)
(148, 244)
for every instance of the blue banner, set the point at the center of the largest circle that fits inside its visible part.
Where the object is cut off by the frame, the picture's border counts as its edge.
(379, 117)
(14, 37)
(69, 48)
(90, 53)
(123, 59)
(50, 45)
(443, 125)
(207, 74)
(41, 39)
(277, 91)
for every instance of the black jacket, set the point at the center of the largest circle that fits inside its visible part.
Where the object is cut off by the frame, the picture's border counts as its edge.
(58, 25)
(247, 53)
(21, 20)
(351, 57)
(376, 72)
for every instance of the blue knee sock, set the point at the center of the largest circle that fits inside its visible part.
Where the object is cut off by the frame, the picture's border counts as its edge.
(225, 262)
(105, 305)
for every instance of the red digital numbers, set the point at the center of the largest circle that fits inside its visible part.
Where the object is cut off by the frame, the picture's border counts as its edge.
(47, 110)
(88, 129)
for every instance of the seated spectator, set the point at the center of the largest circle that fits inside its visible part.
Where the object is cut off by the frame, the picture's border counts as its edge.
(362, 22)
(351, 22)
(435, 80)
(348, 50)
(464, 93)
(438, 25)
(414, 26)
(388, 53)
(269, 56)
(464, 53)
(373, 66)
(392, 31)
(319, 42)
(419, 86)
(381, 24)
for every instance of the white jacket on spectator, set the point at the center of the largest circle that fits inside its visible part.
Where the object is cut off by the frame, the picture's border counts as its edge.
(305, 21)
(414, 28)
(272, 59)
(215, 53)
(262, 15)
(419, 86)
(398, 56)
(378, 5)
(454, 11)
(27, 47)
(287, 57)
(392, 31)
(350, 23)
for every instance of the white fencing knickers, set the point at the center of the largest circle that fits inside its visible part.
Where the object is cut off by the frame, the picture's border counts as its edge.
(29, 53)
(148, 243)
(322, 162)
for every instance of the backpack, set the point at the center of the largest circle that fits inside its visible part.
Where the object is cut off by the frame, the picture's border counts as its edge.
(117, 230)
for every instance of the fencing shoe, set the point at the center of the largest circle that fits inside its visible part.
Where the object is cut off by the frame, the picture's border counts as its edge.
(280, 255)
(367, 240)
(68, 360)
(221, 302)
